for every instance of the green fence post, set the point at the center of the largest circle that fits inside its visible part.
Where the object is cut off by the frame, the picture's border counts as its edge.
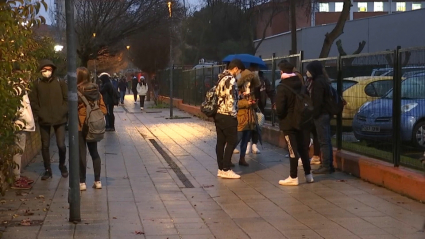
(339, 116)
(397, 107)
(273, 84)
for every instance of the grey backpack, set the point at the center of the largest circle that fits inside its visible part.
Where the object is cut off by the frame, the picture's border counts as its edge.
(95, 123)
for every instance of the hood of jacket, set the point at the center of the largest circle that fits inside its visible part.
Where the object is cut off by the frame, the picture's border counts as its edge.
(315, 68)
(294, 82)
(90, 91)
(46, 62)
(104, 79)
(248, 76)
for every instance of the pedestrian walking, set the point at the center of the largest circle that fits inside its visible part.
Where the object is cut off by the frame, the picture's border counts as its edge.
(90, 92)
(25, 123)
(142, 89)
(225, 120)
(107, 94)
(134, 82)
(289, 86)
(320, 91)
(49, 102)
(246, 111)
(122, 87)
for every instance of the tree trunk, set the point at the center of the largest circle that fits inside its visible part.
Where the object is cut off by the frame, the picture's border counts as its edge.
(293, 27)
(337, 31)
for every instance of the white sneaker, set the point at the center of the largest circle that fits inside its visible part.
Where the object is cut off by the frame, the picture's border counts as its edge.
(300, 162)
(235, 151)
(248, 148)
(315, 160)
(255, 149)
(219, 173)
(309, 178)
(83, 186)
(135, 102)
(289, 181)
(230, 174)
(97, 185)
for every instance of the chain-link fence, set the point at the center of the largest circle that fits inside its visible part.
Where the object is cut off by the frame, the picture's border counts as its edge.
(372, 85)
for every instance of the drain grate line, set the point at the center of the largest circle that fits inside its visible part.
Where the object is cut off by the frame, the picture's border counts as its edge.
(172, 164)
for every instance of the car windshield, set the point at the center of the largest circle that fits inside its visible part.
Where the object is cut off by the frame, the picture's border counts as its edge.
(412, 88)
(345, 84)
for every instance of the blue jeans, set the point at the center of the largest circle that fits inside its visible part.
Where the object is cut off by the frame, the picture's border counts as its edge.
(323, 129)
(244, 137)
(122, 94)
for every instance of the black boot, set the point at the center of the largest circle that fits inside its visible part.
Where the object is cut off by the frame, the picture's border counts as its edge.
(64, 171)
(47, 174)
(243, 162)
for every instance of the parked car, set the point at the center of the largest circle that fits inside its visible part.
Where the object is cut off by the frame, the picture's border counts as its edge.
(358, 90)
(390, 71)
(373, 122)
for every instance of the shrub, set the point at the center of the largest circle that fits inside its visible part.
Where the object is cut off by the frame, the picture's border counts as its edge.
(18, 47)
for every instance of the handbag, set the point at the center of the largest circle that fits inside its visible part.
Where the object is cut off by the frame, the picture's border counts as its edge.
(260, 117)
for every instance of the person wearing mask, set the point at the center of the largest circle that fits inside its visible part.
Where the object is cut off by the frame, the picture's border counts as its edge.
(134, 82)
(246, 111)
(122, 87)
(49, 102)
(25, 122)
(107, 94)
(320, 91)
(294, 137)
(225, 120)
(142, 89)
(91, 92)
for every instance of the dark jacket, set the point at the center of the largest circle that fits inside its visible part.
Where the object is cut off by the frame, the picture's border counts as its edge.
(49, 98)
(263, 91)
(134, 82)
(122, 85)
(319, 89)
(285, 102)
(107, 90)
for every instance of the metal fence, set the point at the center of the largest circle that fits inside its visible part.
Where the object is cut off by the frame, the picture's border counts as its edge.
(373, 84)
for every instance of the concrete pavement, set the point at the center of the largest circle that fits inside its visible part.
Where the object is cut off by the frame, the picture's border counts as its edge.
(159, 181)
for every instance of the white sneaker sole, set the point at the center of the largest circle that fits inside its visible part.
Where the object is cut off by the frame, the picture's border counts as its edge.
(283, 183)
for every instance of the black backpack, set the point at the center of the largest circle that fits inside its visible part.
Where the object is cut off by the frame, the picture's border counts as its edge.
(210, 105)
(335, 102)
(303, 108)
(115, 96)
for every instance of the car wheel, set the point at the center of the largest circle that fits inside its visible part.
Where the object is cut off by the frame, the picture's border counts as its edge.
(418, 135)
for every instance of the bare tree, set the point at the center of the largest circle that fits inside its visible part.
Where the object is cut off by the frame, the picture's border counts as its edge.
(103, 26)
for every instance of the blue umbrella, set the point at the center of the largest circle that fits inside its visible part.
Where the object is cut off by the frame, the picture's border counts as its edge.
(246, 59)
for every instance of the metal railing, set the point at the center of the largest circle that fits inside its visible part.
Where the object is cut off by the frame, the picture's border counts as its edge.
(373, 84)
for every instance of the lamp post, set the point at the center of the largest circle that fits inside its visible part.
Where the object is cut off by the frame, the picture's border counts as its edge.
(170, 11)
(95, 74)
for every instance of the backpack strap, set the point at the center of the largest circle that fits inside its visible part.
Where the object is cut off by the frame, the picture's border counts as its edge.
(86, 102)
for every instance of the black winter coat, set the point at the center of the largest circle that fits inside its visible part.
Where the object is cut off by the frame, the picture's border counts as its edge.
(320, 90)
(285, 102)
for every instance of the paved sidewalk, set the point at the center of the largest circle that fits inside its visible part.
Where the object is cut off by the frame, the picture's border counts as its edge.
(159, 181)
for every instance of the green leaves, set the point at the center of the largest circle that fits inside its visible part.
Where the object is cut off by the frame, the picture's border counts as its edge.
(18, 49)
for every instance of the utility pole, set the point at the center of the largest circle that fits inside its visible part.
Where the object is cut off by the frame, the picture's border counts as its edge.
(170, 10)
(74, 178)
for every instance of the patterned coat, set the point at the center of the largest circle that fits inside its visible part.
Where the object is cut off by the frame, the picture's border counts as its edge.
(227, 93)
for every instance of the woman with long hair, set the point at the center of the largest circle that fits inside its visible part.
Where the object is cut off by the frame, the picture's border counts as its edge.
(142, 89)
(91, 92)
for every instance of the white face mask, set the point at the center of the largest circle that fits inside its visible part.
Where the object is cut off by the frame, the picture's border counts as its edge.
(309, 74)
(46, 74)
(238, 76)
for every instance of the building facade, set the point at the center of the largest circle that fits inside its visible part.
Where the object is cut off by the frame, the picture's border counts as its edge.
(322, 12)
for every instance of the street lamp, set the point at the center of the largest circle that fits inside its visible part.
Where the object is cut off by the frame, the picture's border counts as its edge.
(128, 47)
(58, 48)
(170, 11)
(95, 74)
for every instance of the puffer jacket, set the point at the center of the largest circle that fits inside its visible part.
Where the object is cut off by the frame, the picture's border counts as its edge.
(246, 113)
(142, 89)
(91, 92)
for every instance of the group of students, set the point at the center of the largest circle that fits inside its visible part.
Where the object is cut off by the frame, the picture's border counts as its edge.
(235, 119)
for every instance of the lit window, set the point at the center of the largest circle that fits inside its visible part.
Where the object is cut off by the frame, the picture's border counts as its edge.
(362, 6)
(378, 6)
(416, 6)
(324, 7)
(401, 6)
(339, 6)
